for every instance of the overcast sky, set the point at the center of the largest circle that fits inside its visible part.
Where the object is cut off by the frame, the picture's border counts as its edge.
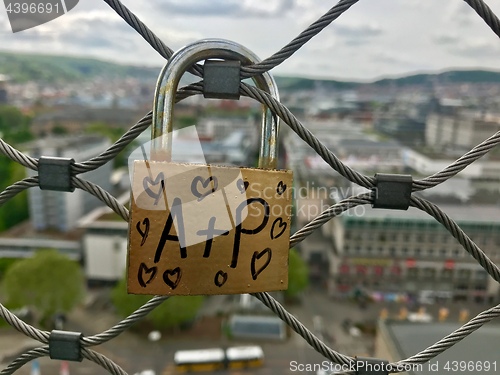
(373, 38)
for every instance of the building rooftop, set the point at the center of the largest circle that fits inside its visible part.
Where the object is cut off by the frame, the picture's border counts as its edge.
(460, 213)
(64, 142)
(480, 346)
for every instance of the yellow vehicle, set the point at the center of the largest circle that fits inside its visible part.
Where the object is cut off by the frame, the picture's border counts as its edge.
(244, 356)
(218, 359)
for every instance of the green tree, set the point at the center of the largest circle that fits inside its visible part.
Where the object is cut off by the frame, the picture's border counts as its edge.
(48, 282)
(171, 314)
(14, 125)
(298, 274)
(16, 209)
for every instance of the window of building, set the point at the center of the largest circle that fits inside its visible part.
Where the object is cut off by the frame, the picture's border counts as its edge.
(406, 237)
(344, 269)
(480, 287)
(429, 273)
(446, 274)
(464, 274)
(412, 272)
(481, 275)
(361, 270)
(392, 251)
(431, 238)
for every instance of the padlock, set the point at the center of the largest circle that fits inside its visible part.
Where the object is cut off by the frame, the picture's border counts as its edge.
(207, 229)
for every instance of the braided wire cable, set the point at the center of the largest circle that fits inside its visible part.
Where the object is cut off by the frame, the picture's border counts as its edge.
(115, 148)
(368, 182)
(459, 234)
(484, 11)
(18, 324)
(146, 33)
(292, 47)
(24, 358)
(456, 336)
(328, 214)
(103, 195)
(305, 134)
(103, 361)
(18, 156)
(302, 330)
(14, 189)
(131, 134)
(460, 164)
(125, 323)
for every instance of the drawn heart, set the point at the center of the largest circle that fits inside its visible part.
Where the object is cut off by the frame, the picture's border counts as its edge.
(256, 256)
(280, 189)
(177, 273)
(220, 278)
(159, 180)
(242, 185)
(198, 180)
(144, 234)
(280, 228)
(145, 270)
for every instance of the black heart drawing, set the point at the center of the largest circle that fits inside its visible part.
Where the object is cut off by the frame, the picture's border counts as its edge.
(160, 179)
(204, 184)
(256, 256)
(177, 272)
(220, 278)
(280, 189)
(242, 185)
(144, 234)
(143, 269)
(280, 228)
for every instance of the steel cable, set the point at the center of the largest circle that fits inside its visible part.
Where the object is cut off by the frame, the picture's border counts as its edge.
(368, 182)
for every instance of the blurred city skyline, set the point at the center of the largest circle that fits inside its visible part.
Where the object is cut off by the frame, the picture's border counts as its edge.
(372, 40)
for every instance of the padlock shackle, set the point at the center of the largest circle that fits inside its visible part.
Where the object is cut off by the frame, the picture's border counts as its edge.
(168, 82)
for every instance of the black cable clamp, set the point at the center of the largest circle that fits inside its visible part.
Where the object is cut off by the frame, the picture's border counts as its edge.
(221, 79)
(371, 366)
(392, 191)
(55, 173)
(65, 345)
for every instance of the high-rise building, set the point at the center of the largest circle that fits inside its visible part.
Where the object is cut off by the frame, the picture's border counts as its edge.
(397, 254)
(60, 210)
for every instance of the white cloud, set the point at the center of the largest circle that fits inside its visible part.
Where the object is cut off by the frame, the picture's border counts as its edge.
(373, 38)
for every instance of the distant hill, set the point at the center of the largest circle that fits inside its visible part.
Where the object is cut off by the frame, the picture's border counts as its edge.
(297, 84)
(423, 79)
(32, 67)
(452, 76)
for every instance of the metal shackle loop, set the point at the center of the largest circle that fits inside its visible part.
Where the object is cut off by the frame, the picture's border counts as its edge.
(168, 82)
